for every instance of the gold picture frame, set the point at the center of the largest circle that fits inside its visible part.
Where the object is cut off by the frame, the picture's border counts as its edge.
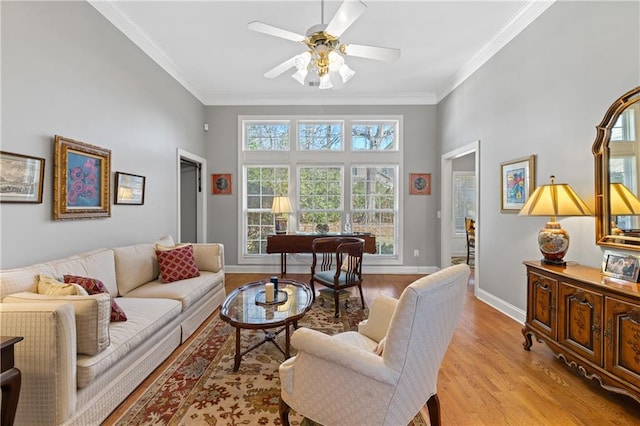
(21, 178)
(518, 179)
(81, 180)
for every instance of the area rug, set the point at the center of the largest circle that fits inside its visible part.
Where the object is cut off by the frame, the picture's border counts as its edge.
(200, 387)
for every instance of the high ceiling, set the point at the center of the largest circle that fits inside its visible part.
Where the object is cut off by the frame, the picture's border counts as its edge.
(206, 46)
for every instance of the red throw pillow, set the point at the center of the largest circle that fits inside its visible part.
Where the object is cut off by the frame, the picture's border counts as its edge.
(177, 264)
(94, 286)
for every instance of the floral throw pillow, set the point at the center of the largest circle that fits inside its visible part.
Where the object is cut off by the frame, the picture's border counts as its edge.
(94, 286)
(177, 264)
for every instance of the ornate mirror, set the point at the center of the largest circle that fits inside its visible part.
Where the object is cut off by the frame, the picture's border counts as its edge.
(617, 169)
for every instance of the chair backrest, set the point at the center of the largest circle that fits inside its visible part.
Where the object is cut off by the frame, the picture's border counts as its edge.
(419, 334)
(470, 230)
(337, 253)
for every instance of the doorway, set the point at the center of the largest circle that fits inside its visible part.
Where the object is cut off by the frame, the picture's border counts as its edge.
(446, 203)
(192, 208)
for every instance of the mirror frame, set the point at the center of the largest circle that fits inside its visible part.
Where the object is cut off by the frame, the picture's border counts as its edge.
(600, 151)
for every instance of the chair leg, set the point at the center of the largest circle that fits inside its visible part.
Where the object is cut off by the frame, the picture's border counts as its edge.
(361, 295)
(336, 301)
(284, 412)
(433, 404)
(313, 291)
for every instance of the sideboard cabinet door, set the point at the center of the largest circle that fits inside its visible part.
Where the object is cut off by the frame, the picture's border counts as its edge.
(542, 293)
(622, 339)
(580, 321)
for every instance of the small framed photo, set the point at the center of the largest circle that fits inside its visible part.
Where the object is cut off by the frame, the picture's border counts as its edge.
(221, 184)
(81, 180)
(618, 265)
(21, 178)
(420, 183)
(129, 189)
(518, 179)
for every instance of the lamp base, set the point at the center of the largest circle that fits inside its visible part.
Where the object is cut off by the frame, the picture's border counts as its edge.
(553, 242)
(281, 225)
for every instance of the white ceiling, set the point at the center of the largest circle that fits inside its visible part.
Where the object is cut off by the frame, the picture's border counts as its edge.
(206, 46)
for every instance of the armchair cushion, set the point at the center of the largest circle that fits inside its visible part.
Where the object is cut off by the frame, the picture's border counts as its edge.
(328, 276)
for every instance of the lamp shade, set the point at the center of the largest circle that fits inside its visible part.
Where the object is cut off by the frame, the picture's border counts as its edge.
(281, 205)
(622, 202)
(554, 200)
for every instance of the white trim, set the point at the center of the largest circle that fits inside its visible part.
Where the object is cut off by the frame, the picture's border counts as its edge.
(202, 196)
(518, 23)
(110, 10)
(506, 308)
(355, 99)
(446, 228)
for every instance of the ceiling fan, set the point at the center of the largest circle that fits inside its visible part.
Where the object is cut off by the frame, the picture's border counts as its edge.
(325, 54)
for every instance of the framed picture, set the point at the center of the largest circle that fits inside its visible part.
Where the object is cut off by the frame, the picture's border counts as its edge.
(129, 189)
(81, 178)
(21, 178)
(618, 265)
(518, 179)
(221, 184)
(420, 183)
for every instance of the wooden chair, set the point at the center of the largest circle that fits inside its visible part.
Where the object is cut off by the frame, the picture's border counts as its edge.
(470, 230)
(337, 265)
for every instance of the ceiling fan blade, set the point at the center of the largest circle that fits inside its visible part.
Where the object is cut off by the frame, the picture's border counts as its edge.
(279, 69)
(274, 31)
(346, 15)
(386, 54)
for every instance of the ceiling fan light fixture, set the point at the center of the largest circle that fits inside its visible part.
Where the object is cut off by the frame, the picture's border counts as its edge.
(300, 75)
(346, 73)
(337, 64)
(325, 82)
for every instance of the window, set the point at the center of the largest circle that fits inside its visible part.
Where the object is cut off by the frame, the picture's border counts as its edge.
(327, 173)
(464, 200)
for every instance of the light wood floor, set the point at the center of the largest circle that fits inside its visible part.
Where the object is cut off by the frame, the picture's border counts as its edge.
(487, 378)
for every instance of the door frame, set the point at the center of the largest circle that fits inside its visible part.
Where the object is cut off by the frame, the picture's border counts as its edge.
(446, 178)
(201, 198)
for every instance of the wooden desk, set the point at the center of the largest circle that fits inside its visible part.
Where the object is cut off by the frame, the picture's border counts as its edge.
(10, 380)
(301, 243)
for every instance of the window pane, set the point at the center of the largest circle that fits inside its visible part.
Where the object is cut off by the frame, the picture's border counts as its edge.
(380, 224)
(263, 183)
(374, 136)
(464, 199)
(266, 136)
(315, 136)
(320, 198)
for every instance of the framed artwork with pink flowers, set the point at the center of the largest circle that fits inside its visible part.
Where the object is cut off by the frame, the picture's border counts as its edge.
(518, 178)
(81, 176)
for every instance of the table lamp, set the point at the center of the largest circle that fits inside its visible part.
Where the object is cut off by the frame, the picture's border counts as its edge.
(622, 202)
(281, 207)
(554, 200)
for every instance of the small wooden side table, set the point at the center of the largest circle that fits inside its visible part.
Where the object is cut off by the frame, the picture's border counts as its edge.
(10, 380)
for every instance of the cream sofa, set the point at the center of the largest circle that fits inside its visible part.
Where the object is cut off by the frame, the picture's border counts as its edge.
(78, 367)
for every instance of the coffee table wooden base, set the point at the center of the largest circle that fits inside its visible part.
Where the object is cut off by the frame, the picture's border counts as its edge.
(269, 336)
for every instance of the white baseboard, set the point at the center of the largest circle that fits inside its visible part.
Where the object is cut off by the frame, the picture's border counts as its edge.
(508, 309)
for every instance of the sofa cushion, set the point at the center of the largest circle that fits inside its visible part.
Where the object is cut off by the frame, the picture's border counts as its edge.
(135, 265)
(49, 286)
(99, 264)
(94, 286)
(146, 317)
(187, 292)
(177, 264)
(91, 313)
(208, 257)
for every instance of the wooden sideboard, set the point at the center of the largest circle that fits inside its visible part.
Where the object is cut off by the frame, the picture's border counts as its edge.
(301, 243)
(590, 321)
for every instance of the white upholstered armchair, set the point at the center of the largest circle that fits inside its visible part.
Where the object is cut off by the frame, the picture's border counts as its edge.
(383, 373)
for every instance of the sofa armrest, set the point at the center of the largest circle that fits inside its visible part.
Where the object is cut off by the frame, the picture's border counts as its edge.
(376, 326)
(46, 358)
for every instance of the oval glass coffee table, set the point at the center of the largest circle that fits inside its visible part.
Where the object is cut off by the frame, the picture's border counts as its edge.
(245, 308)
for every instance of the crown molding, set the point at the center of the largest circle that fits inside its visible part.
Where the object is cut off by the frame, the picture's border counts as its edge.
(256, 99)
(114, 14)
(520, 21)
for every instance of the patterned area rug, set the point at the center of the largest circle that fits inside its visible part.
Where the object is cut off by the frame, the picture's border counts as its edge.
(200, 387)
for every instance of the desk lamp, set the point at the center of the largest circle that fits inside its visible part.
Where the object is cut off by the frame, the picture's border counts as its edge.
(281, 207)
